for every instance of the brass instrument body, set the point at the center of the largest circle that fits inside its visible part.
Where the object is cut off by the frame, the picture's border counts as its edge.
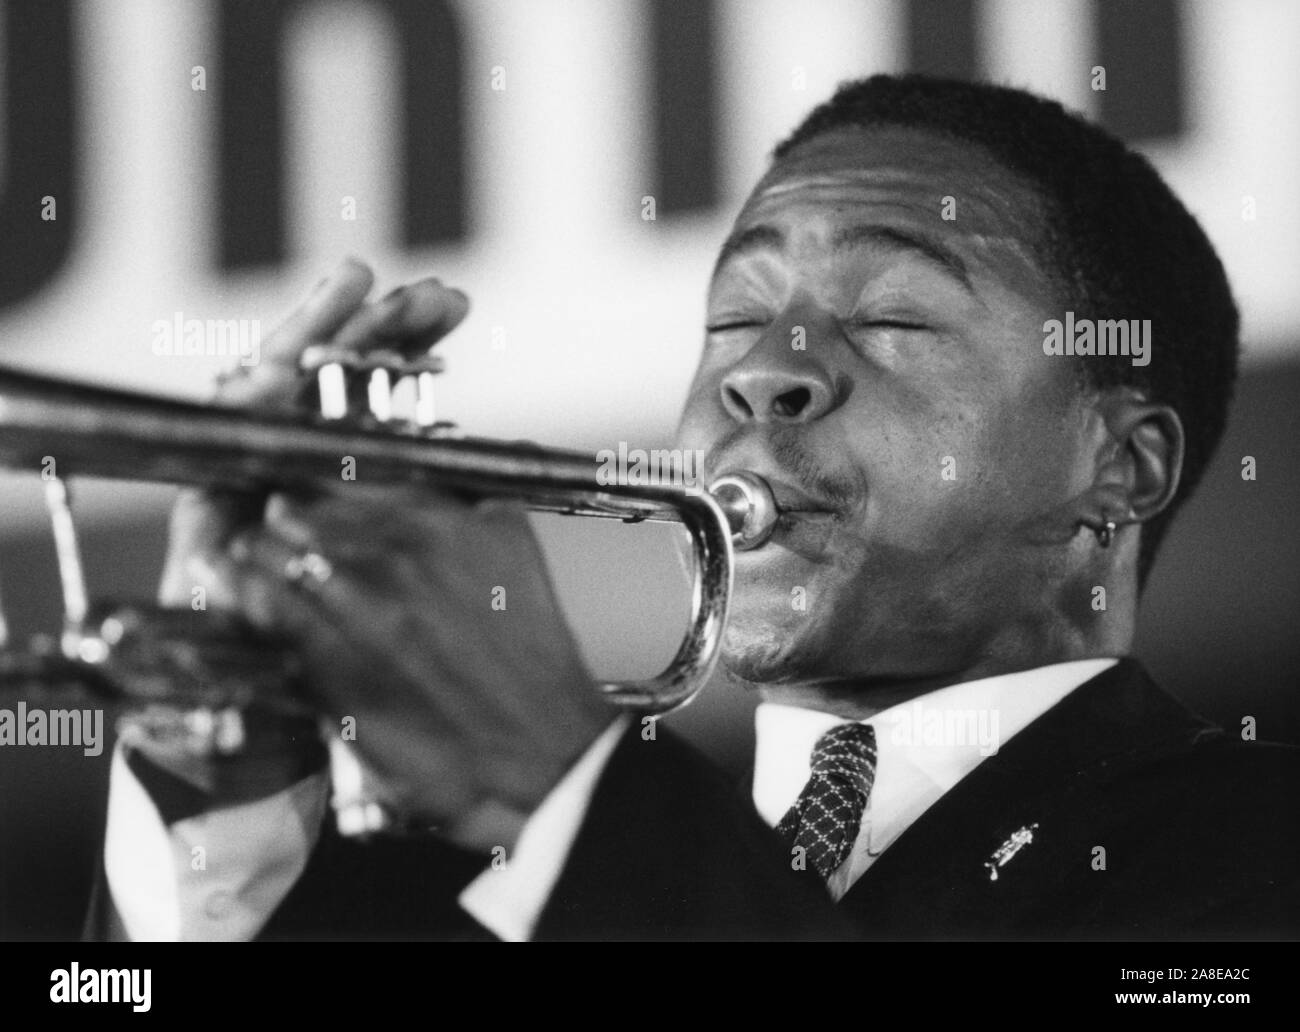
(94, 432)
(196, 686)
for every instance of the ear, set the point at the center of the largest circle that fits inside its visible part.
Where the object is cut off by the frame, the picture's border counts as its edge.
(1139, 462)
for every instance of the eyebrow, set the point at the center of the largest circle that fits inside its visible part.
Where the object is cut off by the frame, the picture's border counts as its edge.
(848, 238)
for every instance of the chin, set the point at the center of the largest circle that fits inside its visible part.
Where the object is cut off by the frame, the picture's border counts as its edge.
(765, 653)
(770, 641)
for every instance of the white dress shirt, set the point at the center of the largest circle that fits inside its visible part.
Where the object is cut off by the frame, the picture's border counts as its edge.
(923, 747)
(253, 853)
(220, 876)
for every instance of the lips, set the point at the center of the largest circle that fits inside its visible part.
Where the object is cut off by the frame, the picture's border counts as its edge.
(790, 499)
(807, 524)
(804, 524)
(806, 527)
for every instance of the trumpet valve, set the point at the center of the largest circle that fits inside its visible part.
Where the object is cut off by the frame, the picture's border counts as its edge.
(381, 385)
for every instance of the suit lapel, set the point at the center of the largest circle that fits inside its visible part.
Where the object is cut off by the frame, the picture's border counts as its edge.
(991, 849)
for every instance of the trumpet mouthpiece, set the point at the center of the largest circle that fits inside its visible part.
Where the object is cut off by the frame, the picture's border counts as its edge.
(747, 502)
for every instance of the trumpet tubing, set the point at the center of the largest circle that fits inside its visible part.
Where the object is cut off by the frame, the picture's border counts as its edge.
(66, 430)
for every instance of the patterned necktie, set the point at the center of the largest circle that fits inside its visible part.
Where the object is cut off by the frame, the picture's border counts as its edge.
(825, 818)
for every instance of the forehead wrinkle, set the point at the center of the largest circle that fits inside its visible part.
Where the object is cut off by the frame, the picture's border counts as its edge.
(747, 241)
(997, 222)
(890, 239)
(898, 190)
(985, 230)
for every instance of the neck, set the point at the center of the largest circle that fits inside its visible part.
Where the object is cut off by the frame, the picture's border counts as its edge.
(1012, 650)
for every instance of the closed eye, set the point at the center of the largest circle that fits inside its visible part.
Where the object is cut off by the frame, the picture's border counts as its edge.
(891, 324)
(735, 324)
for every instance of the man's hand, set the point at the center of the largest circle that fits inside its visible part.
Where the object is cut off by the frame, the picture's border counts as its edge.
(412, 318)
(204, 521)
(436, 630)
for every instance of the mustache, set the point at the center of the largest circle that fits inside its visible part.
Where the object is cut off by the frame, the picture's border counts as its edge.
(798, 464)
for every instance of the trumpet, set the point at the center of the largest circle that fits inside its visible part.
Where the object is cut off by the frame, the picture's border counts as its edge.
(196, 685)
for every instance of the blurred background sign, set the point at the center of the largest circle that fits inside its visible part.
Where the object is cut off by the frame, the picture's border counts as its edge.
(214, 158)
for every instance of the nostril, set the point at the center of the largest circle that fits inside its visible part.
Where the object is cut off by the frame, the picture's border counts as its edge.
(791, 403)
(738, 402)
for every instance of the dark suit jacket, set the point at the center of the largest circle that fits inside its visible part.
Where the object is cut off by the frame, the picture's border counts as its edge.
(1146, 822)
(1200, 832)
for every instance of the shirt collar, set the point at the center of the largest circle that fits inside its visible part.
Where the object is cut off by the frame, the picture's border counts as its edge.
(924, 745)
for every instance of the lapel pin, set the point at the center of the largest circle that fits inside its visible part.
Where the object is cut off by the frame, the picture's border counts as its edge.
(1020, 838)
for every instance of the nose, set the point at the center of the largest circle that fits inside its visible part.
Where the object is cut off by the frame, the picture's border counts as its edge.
(775, 383)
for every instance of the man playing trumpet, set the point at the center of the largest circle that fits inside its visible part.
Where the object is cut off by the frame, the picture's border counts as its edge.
(952, 490)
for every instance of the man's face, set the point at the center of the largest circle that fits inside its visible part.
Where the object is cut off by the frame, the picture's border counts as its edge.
(883, 367)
